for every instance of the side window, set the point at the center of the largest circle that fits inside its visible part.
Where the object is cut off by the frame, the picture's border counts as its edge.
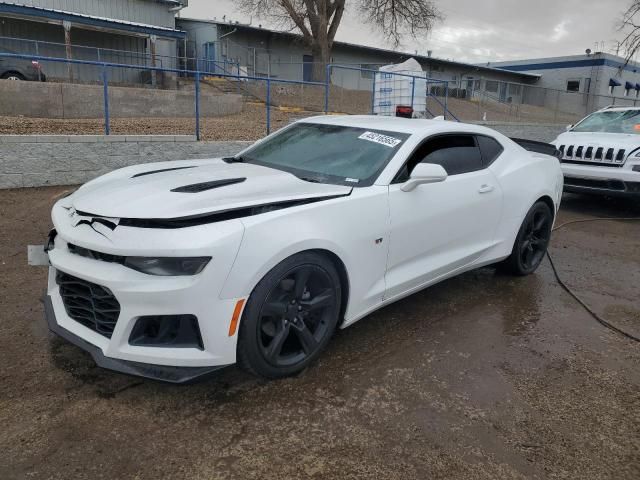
(456, 153)
(489, 148)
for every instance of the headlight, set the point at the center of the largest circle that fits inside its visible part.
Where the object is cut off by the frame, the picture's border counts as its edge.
(167, 266)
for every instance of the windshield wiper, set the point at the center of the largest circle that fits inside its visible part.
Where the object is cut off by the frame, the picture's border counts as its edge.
(311, 179)
(236, 159)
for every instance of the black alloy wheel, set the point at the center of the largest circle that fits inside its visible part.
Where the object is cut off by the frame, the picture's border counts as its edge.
(290, 316)
(532, 241)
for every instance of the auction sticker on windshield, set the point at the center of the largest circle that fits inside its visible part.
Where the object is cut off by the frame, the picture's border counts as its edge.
(381, 139)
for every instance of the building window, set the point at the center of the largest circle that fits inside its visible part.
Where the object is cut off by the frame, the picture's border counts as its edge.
(515, 90)
(367, 66)
(491, 86)
(573, 85)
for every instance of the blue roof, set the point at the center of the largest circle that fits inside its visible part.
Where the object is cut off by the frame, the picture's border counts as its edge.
(90, 20)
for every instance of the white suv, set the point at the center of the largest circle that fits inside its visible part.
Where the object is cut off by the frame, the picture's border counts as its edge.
(601, 153)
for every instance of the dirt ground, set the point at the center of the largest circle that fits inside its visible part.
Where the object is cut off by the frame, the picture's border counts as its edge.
(484, 376)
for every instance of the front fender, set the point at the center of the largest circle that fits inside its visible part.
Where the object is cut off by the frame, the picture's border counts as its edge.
(354, 228)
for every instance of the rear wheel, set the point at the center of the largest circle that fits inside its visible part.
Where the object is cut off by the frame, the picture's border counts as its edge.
(532, 241)
(290, 316)
(12, 76)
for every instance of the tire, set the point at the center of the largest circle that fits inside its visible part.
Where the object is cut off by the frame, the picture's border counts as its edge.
(290, 316)
(531, 242)
(12, 76)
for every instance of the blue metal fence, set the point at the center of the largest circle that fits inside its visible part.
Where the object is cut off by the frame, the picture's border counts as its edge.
(223, 72)
(196, 74)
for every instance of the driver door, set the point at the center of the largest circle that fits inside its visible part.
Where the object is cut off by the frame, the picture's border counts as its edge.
(438, 228)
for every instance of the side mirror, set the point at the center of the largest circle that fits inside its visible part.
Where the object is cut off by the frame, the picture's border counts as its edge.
(424, 173)
(568, 127)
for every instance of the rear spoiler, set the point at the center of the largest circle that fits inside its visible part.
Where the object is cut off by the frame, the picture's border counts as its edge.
(538, 147)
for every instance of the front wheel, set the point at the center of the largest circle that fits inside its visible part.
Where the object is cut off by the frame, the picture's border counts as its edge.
(290, 316)
(532, 241)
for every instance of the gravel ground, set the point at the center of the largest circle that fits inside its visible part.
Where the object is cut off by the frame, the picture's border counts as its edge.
(248, 125)
(483, 376)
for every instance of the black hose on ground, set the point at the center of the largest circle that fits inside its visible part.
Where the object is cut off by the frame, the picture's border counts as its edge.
(566, 288)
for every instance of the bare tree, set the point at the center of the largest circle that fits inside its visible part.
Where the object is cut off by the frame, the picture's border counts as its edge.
(318, 20)
(630, 25)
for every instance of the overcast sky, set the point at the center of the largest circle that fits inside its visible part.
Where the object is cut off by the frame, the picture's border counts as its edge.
(482, 30)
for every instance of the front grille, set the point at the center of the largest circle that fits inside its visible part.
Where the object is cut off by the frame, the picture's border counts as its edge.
(590, 155)
(93, 306)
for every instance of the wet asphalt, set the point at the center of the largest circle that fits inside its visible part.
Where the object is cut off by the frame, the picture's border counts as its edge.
(483, 376)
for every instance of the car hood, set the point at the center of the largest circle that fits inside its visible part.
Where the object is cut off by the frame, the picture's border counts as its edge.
(149, 191)
(628, 142)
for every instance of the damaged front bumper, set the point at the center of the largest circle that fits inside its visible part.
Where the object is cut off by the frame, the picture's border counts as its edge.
(82, 287)
(154, 372)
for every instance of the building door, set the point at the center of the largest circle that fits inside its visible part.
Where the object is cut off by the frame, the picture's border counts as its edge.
(503, 91)
(307, 68)
(469, 87)
(209, 60)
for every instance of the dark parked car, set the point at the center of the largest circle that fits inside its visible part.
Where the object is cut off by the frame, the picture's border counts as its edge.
(20, 69)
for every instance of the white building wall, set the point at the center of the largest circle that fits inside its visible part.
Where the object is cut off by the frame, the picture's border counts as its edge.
(594, 91)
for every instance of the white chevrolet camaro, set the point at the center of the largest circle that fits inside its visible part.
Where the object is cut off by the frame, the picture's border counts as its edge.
(176, 269)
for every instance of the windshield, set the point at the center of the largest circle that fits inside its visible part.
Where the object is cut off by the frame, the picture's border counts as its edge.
(611, 121)
(328, 153)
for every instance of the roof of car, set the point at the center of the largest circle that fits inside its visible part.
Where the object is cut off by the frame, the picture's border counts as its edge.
(398, 124)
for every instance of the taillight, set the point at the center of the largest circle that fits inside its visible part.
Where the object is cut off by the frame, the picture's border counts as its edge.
(404, 111)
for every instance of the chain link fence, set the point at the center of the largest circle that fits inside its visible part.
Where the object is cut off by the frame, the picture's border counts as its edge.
(236, 102)
(490, 100)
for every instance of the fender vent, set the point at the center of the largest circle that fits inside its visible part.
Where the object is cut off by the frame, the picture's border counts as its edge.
(203, 187)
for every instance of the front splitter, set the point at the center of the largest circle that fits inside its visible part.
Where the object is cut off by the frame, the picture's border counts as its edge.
(162, 373)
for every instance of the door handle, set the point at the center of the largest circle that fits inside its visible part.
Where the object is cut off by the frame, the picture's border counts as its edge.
(485, 188)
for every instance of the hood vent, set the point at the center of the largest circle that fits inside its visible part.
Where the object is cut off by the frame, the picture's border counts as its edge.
(202, 187)
(151, 172)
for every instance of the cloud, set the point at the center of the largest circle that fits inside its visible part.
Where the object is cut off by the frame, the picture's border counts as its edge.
(560, 31)
(484, 31)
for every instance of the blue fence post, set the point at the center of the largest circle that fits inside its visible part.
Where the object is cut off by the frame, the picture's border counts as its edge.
(446, 94)
(413, 92)
(197, 90)
(326, 89)
(373, 96)
(268, 106)
(105, 92)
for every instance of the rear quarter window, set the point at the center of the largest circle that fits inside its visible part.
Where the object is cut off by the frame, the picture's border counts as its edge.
(490, 149)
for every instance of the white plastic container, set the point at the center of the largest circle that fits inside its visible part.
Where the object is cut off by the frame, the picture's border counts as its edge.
(401, 84)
